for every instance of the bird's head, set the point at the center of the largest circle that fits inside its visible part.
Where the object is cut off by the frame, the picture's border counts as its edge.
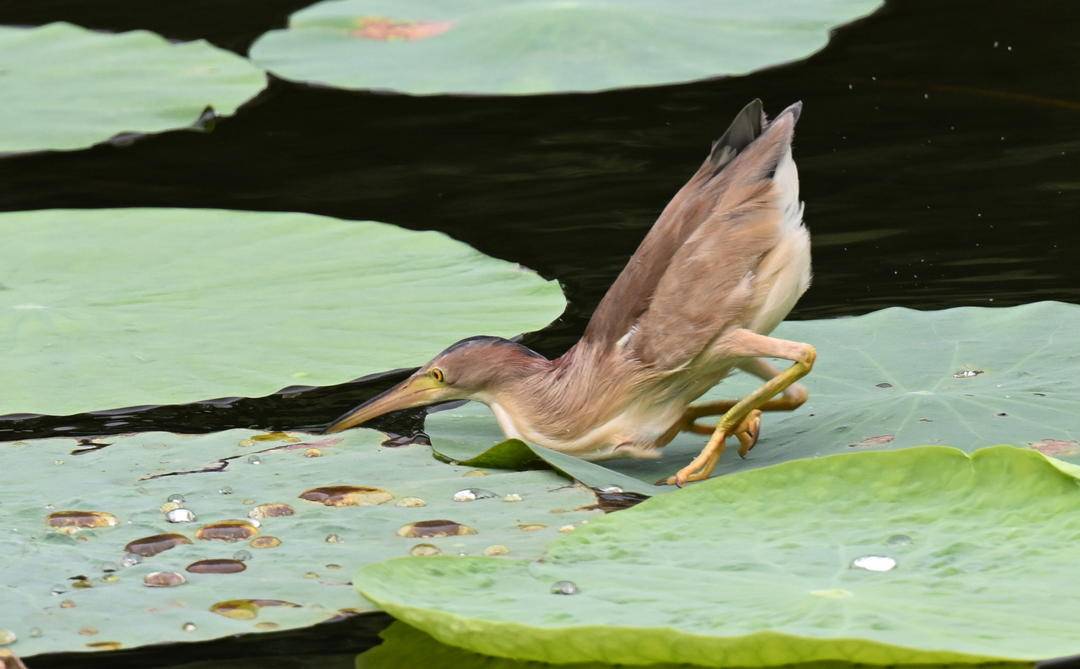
(476, 368)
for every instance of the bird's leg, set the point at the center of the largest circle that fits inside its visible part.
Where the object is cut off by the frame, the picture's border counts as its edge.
(792, 398)
(747, 344)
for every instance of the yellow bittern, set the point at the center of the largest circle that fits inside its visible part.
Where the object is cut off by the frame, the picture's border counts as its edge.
(722, 266)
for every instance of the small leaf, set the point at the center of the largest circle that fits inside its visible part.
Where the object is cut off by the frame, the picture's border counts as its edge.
(67, 87)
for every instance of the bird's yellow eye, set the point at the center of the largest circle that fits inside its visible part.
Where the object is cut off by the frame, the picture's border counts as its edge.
(437, 374)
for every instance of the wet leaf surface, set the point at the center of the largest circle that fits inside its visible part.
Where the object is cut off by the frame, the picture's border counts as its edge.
(141, 579)
(923, 555)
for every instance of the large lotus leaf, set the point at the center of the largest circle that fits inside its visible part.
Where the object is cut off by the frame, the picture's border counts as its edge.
(225, 476)
(117, 307)
(968, 377)
(66, 87)
(543, 46)
(922, 555)
(405, 647)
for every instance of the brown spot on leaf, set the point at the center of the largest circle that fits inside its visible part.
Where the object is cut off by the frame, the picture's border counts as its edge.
(387, 30)
(272, 510)
(430, 529)
(246, 609)
(1056, 447)
(158, 543)
(347, 495)
(873, 441)
(227, 530)
(265, 542)
(216, 566)
(70, 522)
(271, 436)
(104, 645)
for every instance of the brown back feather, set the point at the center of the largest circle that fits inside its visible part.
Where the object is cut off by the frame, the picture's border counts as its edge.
(692, 273)
(631, 293)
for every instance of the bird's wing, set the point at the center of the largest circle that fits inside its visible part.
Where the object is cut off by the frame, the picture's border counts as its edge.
(629, 297)
(740, 213)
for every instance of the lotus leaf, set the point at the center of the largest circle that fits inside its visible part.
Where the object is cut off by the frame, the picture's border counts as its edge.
(69, 582)
(921, 555)
(405, 647)
(543, 46)
(117, 307)
(67, 87)
(968, 377)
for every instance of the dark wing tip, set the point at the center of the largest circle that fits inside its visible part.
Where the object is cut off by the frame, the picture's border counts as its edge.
(795, 110)
(743, 130)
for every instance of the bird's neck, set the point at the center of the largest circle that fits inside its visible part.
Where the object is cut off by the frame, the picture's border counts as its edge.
(536, 397)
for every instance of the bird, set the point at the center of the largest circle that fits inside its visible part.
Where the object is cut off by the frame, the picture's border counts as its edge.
(722, 266)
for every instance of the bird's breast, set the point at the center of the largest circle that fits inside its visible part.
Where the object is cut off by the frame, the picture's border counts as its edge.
(633, 432)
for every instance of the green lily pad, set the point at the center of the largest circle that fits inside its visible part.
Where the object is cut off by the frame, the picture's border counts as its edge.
(543, 46)
(324, 504)
(67, 87)
(117, 307)
(968, 377)
(405, 647)
(923, 555)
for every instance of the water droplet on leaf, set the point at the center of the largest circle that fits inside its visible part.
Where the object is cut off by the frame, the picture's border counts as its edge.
(424, 550)
(966, 373)
(163, 579)
(181, 516)
(564, 588)
(874, 563)
(426, 529)
(473, 494)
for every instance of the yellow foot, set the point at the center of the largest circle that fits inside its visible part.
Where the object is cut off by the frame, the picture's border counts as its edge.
(747, 432)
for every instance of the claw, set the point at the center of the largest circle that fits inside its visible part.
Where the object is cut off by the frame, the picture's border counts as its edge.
(748, 432)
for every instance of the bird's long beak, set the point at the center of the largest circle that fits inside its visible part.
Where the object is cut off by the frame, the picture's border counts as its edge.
(415, 391)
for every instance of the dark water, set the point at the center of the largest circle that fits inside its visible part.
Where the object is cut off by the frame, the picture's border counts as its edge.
(939, 152)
